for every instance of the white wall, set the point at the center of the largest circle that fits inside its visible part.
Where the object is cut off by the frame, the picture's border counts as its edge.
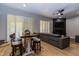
(72, 27)
(3, 26)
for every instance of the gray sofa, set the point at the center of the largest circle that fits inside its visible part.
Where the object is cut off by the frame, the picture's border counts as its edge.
(56, 40)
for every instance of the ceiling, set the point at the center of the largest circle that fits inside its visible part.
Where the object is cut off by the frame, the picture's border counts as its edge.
(47, 9)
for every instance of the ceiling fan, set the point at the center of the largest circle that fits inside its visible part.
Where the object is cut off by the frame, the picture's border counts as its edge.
(60, 12)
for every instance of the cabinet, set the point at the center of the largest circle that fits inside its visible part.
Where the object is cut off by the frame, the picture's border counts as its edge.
(77, 38)
(59, 26)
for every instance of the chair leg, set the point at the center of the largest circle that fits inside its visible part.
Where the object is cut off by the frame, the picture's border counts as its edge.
(33, 47)
(31, 43)
(13, 51)
(40, 45)
(37, 46)
(20, 48)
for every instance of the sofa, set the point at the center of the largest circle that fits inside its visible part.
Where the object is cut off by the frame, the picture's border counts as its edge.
(55, 40)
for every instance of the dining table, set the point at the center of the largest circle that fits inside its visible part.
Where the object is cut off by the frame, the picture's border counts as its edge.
(27, 42)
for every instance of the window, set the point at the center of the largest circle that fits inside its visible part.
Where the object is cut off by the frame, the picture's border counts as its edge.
(14, 25)
(44, 26)
(19, 25)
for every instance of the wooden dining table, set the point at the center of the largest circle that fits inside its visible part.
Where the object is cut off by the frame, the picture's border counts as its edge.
(27, 39)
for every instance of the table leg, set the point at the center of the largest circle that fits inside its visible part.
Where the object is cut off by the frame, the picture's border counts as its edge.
(25, 45)
(28, 49)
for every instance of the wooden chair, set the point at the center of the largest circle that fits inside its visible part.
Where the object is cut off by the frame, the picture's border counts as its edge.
(36, 44)
(16, 45)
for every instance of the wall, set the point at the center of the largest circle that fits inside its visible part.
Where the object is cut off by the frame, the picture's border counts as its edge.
(72, 27)
(4, 11)
(3, 26)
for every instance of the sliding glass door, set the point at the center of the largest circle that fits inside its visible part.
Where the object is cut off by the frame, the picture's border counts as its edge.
(14, 25)
(19, 25)
(10, 25)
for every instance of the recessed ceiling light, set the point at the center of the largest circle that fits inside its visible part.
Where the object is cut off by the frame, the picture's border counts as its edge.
(24, 5)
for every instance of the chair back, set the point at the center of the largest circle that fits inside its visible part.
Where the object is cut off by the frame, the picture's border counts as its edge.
(14, 41)
(12, 36)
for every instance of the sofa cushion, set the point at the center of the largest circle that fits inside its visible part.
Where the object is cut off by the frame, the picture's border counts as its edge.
(54, 38)
(49, 34)
(56, 35)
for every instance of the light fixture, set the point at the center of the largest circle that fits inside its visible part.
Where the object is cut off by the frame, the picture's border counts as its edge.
(59, 13)
(24, 5)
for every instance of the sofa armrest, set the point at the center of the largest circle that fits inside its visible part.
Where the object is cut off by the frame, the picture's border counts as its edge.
(64, 42)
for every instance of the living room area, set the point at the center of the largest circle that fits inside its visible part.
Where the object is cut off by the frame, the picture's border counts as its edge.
(39, 29)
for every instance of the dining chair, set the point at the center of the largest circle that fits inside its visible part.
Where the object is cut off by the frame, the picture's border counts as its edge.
(36, 44)
(16, 44)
